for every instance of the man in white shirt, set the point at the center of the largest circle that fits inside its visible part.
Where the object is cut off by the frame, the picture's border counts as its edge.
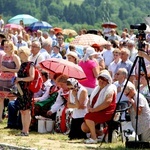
(46, 49)
(108, 54)
(113, 64)
(36, 56)
(21, 42)
(121, 78)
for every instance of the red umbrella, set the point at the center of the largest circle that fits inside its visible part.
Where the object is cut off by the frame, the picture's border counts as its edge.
(109, 25)
(13, 26)
(89, 39)
(56, 65)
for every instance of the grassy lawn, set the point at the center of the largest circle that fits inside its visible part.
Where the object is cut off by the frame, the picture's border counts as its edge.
(51, 141)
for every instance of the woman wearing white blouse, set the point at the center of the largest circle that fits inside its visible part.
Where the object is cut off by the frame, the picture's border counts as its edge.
(78, 98)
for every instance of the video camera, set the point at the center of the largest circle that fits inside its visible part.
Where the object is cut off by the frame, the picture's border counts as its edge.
(141, 36)
(141, 26)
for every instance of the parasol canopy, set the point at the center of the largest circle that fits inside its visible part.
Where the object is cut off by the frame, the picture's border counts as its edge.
(27, 19)
(57, 65)
(88, 40)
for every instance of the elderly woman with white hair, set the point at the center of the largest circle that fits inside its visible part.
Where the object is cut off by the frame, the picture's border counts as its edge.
(91, 69)
(101, 107)
(78, 99)
(141, 109)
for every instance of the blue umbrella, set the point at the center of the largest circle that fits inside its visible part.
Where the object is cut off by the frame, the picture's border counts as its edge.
(40, 25)
(27, 19)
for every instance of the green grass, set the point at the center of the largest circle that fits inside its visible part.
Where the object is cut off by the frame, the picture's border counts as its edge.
(79, 2)
(51, 141)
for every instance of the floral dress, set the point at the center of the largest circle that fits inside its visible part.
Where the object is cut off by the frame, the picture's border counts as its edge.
(6, 77)
(63, 117)
(25, 100)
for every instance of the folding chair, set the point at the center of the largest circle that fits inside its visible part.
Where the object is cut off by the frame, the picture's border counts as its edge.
(115, 124)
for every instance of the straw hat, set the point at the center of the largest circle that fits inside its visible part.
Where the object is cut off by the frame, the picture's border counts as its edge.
(73, 54)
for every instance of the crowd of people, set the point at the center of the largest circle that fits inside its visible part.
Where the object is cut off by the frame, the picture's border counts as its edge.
(77, 107)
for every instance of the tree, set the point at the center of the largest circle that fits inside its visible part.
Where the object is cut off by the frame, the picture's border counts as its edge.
(44, 14)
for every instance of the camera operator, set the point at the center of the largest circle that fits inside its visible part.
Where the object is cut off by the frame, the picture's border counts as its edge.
(144, 54)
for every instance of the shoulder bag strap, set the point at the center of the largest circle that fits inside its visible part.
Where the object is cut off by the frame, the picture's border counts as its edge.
(36, 59)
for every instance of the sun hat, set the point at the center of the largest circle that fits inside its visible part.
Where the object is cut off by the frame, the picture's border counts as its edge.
(73, 54)
(105, 74)
(90, 51)
(72, 81)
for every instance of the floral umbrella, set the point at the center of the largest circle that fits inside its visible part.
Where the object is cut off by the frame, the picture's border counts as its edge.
(89, 39)
(56, 65)
(27, 19)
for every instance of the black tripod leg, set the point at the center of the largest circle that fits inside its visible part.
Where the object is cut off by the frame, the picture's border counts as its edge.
(145, 71)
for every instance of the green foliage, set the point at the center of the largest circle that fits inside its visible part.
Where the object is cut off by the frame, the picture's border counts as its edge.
(79, 13)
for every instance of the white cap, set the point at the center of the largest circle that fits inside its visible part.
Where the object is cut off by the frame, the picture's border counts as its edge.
(90, 51)
(72, 81)
(106, 75)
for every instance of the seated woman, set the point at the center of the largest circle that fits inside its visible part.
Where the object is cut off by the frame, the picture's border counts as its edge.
(78, 98)
(63, 114)
(101, 105)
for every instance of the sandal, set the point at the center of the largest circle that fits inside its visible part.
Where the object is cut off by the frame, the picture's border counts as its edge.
(22, 134)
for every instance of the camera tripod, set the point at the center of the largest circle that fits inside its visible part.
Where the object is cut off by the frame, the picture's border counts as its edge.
(131, 144)
(141, 67)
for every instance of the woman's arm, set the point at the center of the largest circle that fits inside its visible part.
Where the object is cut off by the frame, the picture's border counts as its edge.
(104, 105)
(30, 77)
(101, 65)
(144, 54)
(96, 71)
(79, 103)
(132, 101)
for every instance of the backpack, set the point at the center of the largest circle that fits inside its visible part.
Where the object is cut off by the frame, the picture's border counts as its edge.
(36, 84)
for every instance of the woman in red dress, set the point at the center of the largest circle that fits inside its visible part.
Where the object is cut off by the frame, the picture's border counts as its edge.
(102, 104)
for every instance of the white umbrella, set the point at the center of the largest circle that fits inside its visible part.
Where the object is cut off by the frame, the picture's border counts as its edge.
(27, 19)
